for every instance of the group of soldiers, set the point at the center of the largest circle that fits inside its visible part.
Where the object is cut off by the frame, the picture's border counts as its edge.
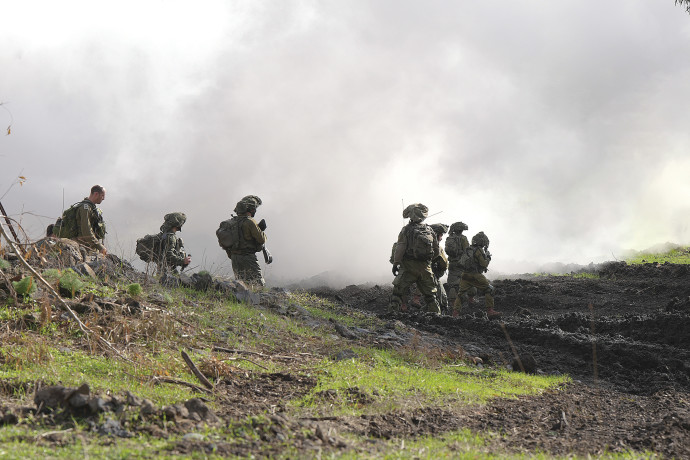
(83, 222)
(418, 258)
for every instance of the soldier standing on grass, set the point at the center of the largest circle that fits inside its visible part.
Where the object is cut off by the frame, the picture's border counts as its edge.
(242, 237)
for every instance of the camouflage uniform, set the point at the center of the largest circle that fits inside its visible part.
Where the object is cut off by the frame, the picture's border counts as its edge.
(456, 243)
(473, 277)
(90, 227)
(245, 264)
(439, 266)
(172, 253)
(409, 270)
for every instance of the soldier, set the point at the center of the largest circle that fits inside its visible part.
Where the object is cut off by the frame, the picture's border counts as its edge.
(83, 222)
(417, 246)
(242, 237)
(172, 253)
(439, 266)
(456, 243)
(475, 262)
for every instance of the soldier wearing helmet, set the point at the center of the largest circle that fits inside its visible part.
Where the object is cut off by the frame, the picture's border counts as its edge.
(250, 240)
(172, 254)
(439, 266)
(476, 261)
(416, 247)
(456, 243)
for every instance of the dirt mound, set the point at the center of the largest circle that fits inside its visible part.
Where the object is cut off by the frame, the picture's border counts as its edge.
(621, 326)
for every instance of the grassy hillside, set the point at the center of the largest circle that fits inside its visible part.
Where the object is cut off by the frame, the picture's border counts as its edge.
(282, 372)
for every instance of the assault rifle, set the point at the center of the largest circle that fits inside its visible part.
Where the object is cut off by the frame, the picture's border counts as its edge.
(268, 258)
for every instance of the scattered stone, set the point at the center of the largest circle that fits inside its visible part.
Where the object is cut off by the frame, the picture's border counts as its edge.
(197, 407)
(526, 363)
(345, 354)
(343, 330)
(193, 437)
(112, 427)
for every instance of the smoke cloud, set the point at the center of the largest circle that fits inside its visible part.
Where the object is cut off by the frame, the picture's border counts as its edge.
(557, 129)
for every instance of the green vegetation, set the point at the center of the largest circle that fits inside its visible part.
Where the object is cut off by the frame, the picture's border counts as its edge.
(134, 289)
(391, 380)
(26, 286)
(677, 255)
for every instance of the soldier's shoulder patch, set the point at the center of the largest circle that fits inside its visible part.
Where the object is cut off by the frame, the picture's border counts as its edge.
(86, 206)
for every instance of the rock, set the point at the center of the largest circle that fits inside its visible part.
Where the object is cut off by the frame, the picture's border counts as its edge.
(193, 437)
(343, 330)
(345, 354)
(112, 427)
(98, 405)
(85, 270)
(526, 363)
(52, 397)
(147, 407)
(197, 406)
(132, 399)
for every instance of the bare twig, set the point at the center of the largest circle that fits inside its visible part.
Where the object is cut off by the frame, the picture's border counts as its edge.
(247, 352)
(249, 361)
(512, 347)
(196, 371)
(181, 382)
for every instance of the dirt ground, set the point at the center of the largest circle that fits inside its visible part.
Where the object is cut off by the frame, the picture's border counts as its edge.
(620, 332)
(623, 336)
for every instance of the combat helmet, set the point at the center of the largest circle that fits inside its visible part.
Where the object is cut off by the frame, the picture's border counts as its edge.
(174, 219)
(458, 227)
(480, 240)
(416, 212)
(439, 229)
(248, 204)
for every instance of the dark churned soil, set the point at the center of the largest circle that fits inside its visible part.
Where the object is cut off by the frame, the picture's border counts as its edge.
(622, 332)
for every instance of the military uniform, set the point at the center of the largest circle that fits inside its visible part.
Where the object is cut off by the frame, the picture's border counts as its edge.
(456, 243)
(251, 239)
(172, 254)
(89, 228)
(411, 270)
(245, 264)
(473, 276)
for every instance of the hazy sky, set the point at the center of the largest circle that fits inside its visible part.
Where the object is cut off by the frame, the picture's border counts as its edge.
(560, 129)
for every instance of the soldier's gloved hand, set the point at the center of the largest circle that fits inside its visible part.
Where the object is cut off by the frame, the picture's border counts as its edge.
(396, 269)
(262, 224)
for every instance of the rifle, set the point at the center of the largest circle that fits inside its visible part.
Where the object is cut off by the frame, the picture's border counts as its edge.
(268, 258)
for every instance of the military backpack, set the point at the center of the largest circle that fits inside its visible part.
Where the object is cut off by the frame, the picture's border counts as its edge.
(68, 227)
(150, 247)
(420, 242)
(228, 234)
(468, 262)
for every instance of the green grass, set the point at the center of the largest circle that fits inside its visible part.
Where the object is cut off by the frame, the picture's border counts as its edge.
(679, 255)
(393, 380)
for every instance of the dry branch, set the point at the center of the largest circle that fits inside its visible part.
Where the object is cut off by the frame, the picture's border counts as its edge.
(196, 371)
(246, 352)
(50, 289)
(181, 382)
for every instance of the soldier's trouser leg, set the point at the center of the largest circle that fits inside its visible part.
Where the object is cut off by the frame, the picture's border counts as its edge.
(441, 296)
(246, 268)
(401, 289)
(452, 285)
(426, 283)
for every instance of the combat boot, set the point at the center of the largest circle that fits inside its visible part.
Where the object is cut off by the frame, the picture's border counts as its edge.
(491, 313)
